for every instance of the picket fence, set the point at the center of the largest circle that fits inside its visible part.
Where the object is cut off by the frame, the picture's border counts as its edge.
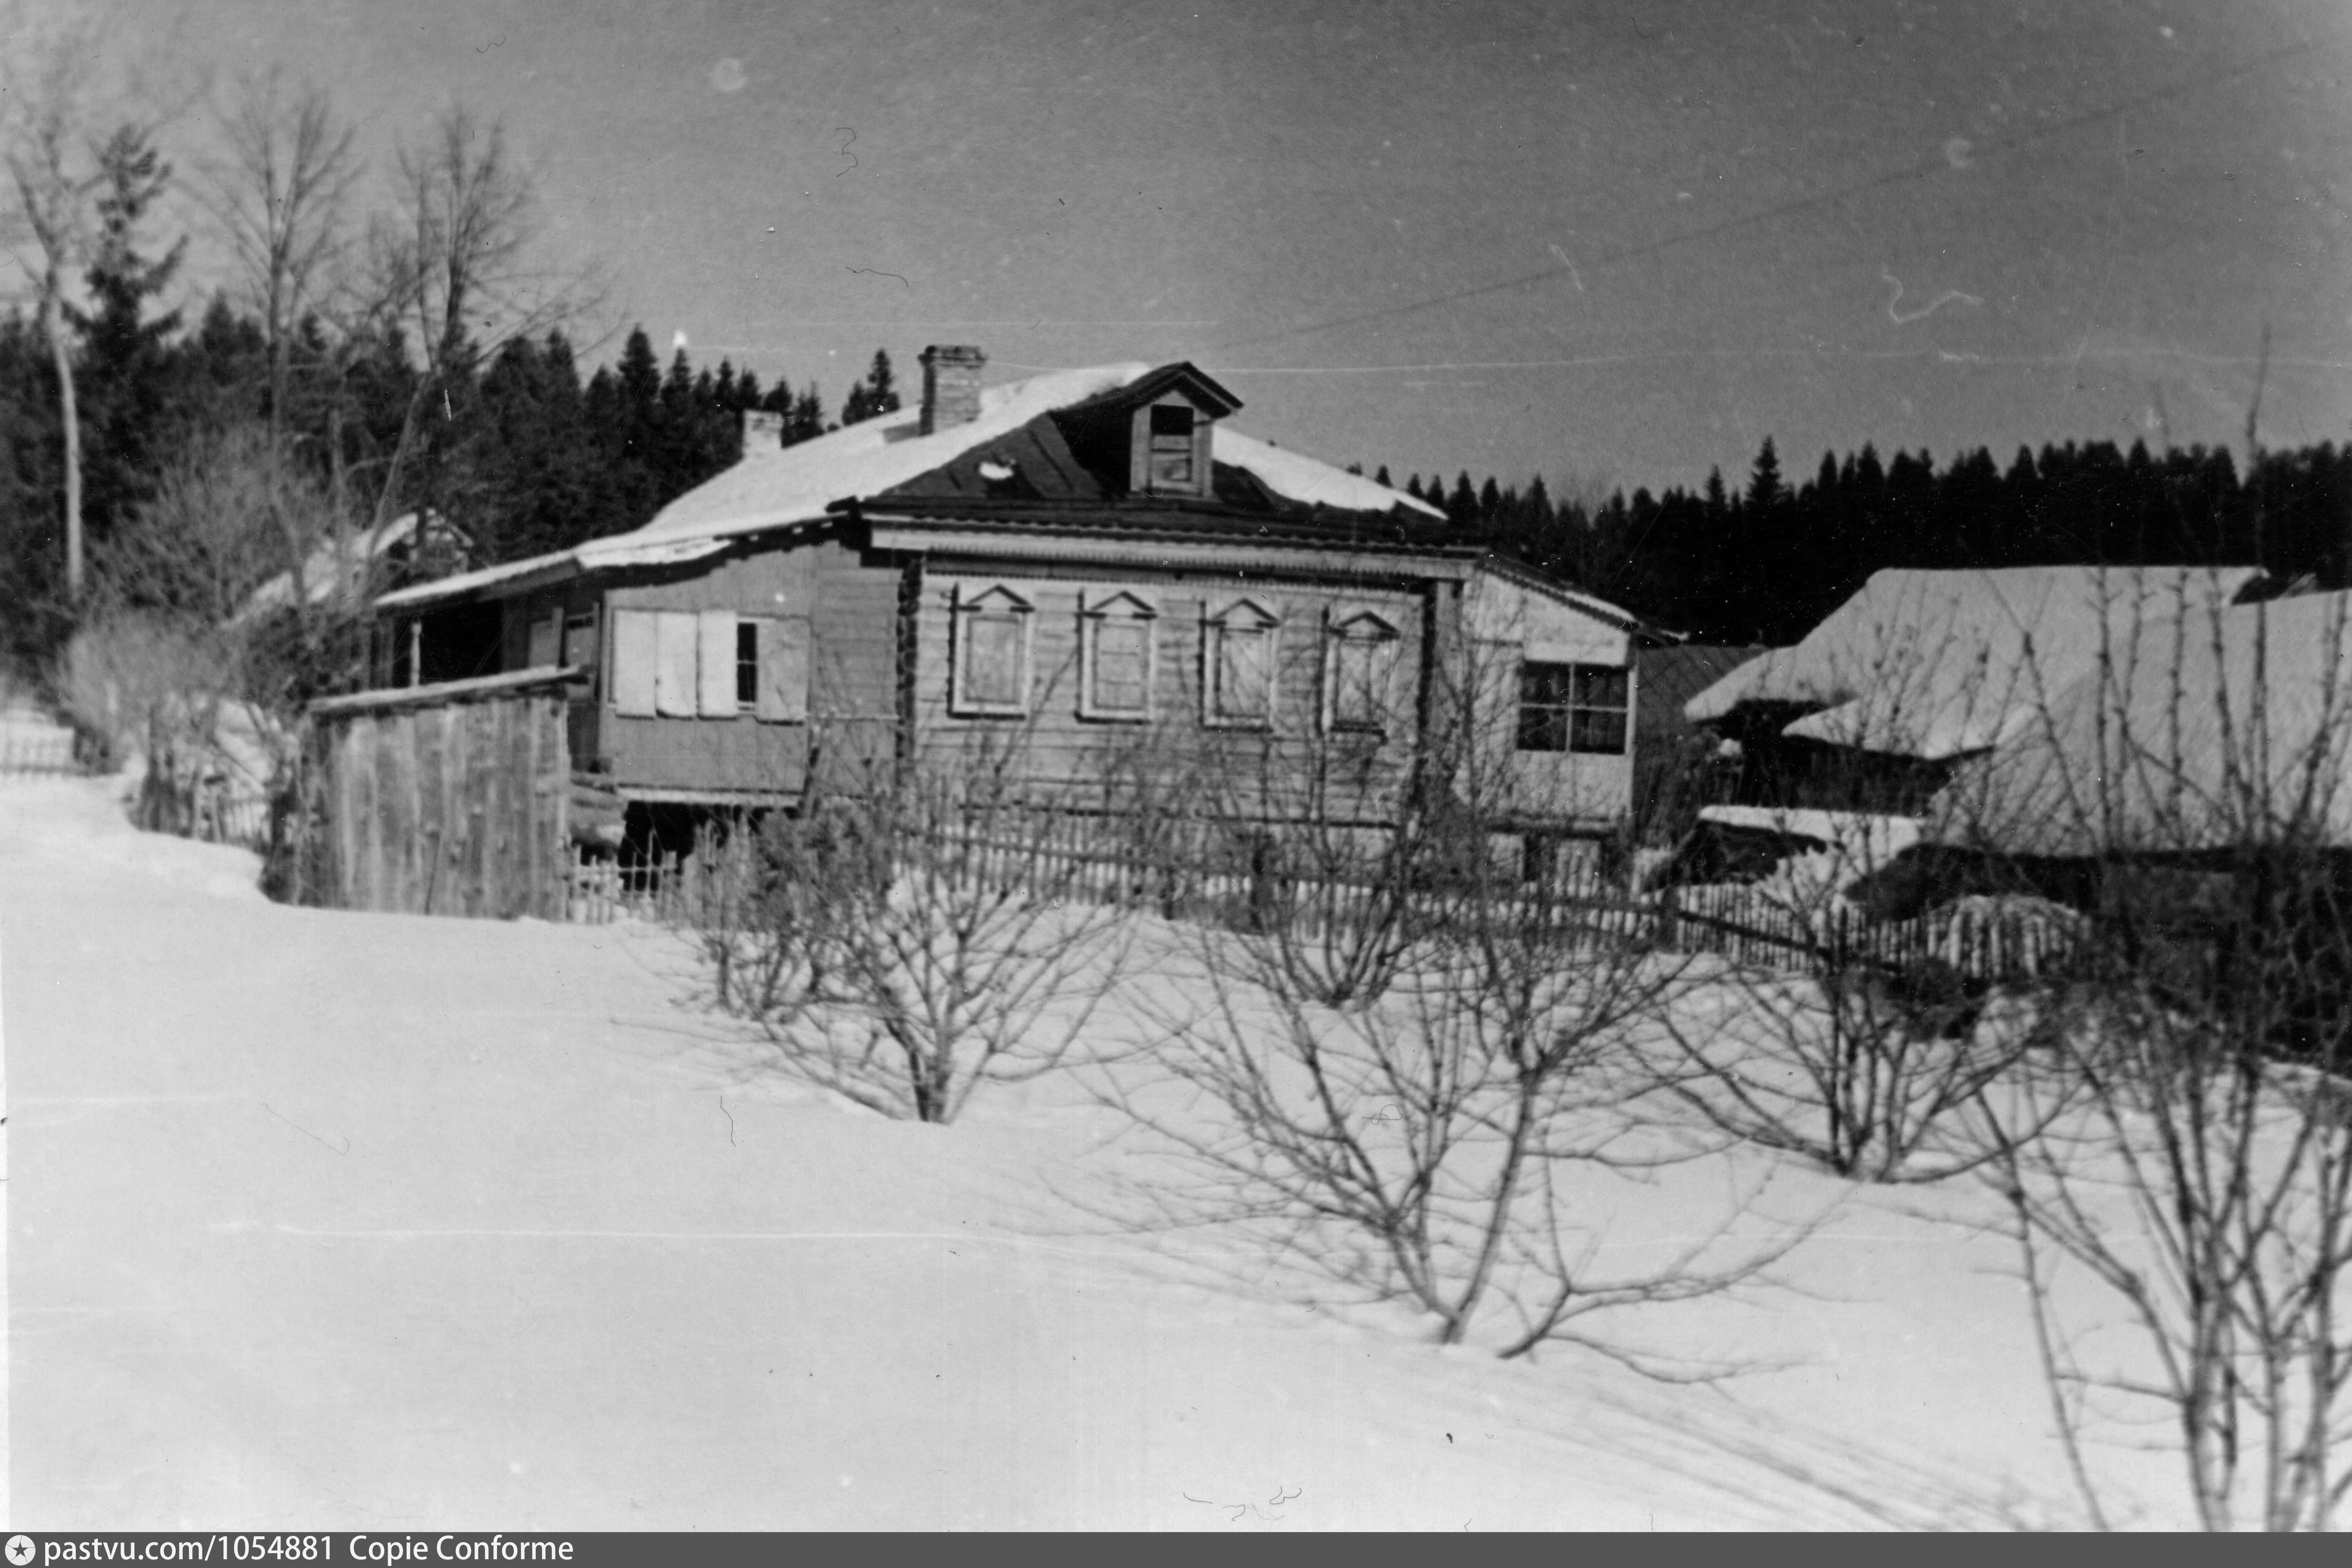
(34, 745)
(1196, 871)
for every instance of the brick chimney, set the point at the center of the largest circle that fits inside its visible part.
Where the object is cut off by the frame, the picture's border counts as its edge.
(951, 385)
(762, 427)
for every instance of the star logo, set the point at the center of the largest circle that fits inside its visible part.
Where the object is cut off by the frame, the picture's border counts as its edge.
(20, 1550)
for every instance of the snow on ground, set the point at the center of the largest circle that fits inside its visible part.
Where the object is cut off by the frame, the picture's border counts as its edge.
(355, 1221)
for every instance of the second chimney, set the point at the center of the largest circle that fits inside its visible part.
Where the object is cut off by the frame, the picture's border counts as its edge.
(951, 385)
(762, 429)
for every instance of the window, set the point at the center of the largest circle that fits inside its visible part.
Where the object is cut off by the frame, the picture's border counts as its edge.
(1237, 651)
(579, 640)
(712, 663)
(1573, 707)
(990, 674)
(1172, 448)
(1118, 657)
(545, 640)
(1358, 666)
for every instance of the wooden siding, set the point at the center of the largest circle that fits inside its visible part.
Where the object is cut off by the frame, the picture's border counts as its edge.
(452, 808)
(1502, 623)
(1257, 769)
(881, 638)
(854, 663)
(726, 754)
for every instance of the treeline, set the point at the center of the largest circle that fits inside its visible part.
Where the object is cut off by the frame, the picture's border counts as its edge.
(526, 456)
(1765, 563)
(389, 341)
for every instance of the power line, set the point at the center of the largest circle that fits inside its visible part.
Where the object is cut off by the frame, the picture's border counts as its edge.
(1920, 169)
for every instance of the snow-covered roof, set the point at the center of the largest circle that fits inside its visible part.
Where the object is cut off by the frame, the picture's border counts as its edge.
(1938, 663)
(2211, 730)
(1599, 609)
(323, 575)
(777, 487)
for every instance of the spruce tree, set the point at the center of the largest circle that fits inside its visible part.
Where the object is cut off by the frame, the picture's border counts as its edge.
(877, 394)
(882, 390)
(125, 368)
(807, 419)
(1462, 507)
(1764, 489)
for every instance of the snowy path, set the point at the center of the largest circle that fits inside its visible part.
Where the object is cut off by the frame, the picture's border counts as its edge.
(340, 1220)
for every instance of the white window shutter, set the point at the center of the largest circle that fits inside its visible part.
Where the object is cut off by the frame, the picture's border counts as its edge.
(635, 658)
(545, 635)
(675, 664)
(717, 638)
(785, 670)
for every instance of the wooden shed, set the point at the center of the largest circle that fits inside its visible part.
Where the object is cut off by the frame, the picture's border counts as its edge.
(442, 799)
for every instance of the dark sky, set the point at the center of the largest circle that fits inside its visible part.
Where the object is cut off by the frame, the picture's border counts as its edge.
(1613, 243)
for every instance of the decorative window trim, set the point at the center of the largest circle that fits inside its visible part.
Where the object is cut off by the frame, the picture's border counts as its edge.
(1255, 618)
(1571, 715)
(971, 604)
(1097, 607)
(1347, 627)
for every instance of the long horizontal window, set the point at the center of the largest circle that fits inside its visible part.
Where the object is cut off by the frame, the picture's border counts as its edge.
(711, 664)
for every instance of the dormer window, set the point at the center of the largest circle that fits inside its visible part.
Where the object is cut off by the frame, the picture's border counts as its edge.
(1151, 436)
(1172, 448)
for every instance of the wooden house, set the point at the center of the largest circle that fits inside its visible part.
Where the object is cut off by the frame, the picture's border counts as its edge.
(1095, 560)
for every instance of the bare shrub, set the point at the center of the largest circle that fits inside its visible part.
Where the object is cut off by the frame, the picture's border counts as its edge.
(143, 686)
(904, 945)
(222, 519)
(2198, 1178)
(1411, 1071)
(1865, 1066)
(2206, 1186)
(1325, 884)
(1438, 1143)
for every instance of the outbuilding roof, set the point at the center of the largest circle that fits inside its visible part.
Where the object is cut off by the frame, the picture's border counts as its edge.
(1940, 664)
(2207, 731)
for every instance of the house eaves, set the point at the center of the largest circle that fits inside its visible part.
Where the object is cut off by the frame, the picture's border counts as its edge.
(1169, 553)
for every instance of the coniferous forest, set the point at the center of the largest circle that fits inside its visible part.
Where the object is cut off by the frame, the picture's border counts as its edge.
(1767, 561)
(530, 455)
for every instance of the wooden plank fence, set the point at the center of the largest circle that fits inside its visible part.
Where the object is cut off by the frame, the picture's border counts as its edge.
(441, 800)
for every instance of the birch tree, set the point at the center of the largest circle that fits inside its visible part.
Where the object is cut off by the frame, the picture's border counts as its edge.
(53, 179)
